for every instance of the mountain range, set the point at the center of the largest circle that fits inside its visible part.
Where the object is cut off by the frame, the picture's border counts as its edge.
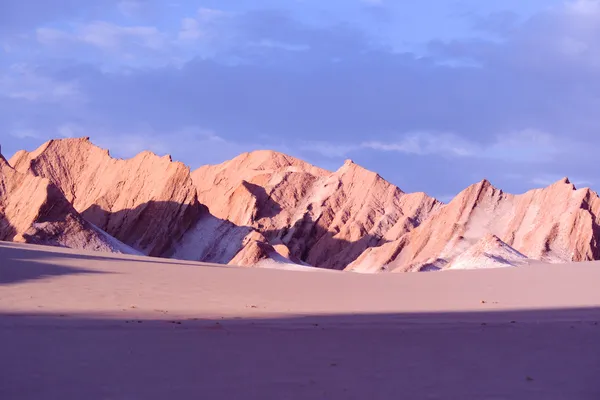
(268, 209)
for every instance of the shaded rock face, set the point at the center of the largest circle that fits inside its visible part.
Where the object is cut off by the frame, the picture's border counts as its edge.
(148, 202)
(324, 219)
(555, 224)
(33, 210)
(219, 241)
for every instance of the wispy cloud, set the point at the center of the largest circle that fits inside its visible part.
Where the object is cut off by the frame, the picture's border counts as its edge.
(190, 29)
(426, 143)
(105, 35)
(111, 36)
(585, 8)
(25, 133)
(129, 7)
(25, 82)
(200, 26)
(528, 145)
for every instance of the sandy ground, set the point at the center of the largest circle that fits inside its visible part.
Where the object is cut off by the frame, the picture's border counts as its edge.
(86, 325)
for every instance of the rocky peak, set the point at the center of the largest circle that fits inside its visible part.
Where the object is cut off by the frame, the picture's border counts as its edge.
(33, 210)
(565, 180)
(563, 183)
(267, 160)
(126, 198)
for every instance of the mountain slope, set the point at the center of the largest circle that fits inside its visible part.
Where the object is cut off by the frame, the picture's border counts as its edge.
(32, 210)
(148, 202)
(325, 219)
(488, 252)
(557, 223)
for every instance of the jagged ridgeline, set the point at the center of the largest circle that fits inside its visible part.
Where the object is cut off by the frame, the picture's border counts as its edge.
(266, 208)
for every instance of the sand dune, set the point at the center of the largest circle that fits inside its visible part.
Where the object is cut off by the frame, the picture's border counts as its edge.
(90, 325)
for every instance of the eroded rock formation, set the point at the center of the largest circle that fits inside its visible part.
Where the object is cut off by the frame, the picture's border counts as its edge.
(269, 206)
(147, 201)
(325, 219)
(554, 224)
(33, 210)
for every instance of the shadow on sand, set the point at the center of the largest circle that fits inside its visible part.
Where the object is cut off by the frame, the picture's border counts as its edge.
(30, 262)
(15, 270)
(542, 354)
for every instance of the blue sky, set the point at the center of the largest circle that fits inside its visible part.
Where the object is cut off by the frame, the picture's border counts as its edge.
(434, 95)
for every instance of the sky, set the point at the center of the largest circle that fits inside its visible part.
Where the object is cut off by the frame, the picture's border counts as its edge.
(434, 95)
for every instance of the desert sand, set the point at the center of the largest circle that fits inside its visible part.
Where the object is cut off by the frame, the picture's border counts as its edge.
(77, 324)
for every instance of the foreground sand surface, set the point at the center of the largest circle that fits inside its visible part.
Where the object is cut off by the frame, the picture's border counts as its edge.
(102, 326)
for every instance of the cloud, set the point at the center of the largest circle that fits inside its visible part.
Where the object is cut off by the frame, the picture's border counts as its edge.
(129, 7)
(529, 146)
(278, 45)
(106, 36)
(584, 8)
(110, 36)
(135, 44)
(501, 23)
(426, 143)
(265, 77)
(566, 35)
(24, 133)
(23, 82)
(190, 29)
(201, 25)
(210, 14)
(21, 16)
(48, 36)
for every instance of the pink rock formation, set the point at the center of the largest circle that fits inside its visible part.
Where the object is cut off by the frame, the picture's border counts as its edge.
(558, 223)
(263, 186)
(488, 252)
(32, 210)
(325, 219)
(266, 205)
(148, 202)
